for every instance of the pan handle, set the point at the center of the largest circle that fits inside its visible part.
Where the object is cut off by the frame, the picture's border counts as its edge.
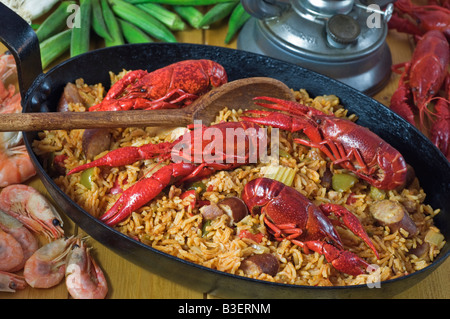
(22, 42)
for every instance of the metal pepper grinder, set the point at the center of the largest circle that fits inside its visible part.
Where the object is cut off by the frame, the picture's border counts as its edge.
(343, 39)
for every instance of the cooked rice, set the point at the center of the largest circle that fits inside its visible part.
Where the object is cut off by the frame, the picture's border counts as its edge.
(169, 223)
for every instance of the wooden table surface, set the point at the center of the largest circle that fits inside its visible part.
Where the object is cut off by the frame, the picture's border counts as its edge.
(128, 281)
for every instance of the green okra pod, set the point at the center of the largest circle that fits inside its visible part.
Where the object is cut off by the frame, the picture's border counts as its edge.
(133, 34)
(98, 21)
(81, 33)
(113, 25)
(142, 20)
(55, 22)
(54, 47)
(167, 17)
(218, 12)
(190, 14)
(237, 19)
(182, 2)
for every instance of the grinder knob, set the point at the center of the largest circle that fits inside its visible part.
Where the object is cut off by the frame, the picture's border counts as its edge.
(342, 30)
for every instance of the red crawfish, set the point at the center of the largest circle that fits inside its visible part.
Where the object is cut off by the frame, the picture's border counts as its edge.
(198, 154)
(442, 3)
(352, 146)
(422, 77)
(418, 19)
(290, 215)
(173, 86)
(440, 129)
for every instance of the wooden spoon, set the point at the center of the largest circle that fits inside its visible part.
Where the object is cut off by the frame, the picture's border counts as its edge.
(237, 94)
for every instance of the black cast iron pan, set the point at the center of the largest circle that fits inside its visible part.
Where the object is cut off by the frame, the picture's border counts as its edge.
(41, 92)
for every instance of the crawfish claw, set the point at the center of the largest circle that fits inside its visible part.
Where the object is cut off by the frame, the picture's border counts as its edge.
(351, 221)
(343, 260)
(350, 263)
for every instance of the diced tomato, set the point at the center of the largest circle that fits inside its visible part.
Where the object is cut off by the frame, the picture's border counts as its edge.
(59, 159)
(190, 193)
(351, 199)
(58, 164)
(247, 234)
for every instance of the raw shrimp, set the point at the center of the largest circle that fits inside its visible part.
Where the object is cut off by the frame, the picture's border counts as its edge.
(7, 67)
(10, 104)
(11, 253)
(21, 234)
(9, 99)
(11, 282)
(84, 278)
(6, 93)
(30, 207)
(47, 266)
(15, 163)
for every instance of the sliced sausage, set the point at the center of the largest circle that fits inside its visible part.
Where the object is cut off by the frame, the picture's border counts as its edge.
(95, 141)
(420, 250)
(211, 211)
(393, 214)
(235, 208)
(326, 179)
(70, 95)
(260, 263)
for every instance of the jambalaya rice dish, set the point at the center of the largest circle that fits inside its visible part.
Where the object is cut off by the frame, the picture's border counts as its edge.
(171, 224)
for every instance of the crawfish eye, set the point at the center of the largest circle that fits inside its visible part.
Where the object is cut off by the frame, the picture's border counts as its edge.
(318, 121)
(55, 222)
(142, 90)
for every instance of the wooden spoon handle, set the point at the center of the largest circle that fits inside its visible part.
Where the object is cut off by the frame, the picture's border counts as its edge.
(84, 120)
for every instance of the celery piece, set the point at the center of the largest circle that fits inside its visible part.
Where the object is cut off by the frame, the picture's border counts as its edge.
(343, 182)
(376, 193)
(434, 237)
(282, 174)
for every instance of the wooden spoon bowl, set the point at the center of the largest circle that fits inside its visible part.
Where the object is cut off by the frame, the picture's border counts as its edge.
(236, 94)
